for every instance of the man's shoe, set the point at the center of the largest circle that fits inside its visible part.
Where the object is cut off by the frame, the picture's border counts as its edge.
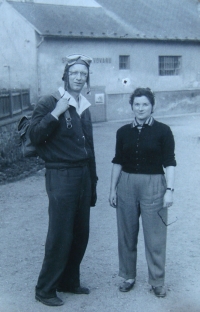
(75, 290)
(159, 291)
(80, 290)
(126, 286)
(53, 302)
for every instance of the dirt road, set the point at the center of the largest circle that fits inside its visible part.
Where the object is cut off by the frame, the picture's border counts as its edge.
(23, 227)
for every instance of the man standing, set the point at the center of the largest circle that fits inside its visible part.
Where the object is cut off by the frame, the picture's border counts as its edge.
(61, 130)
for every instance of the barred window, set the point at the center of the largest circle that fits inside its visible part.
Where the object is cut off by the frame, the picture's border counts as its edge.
(124, 62)
(169, 65)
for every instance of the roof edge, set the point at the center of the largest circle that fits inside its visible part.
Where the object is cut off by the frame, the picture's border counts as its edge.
(114, 37)
(21, 16)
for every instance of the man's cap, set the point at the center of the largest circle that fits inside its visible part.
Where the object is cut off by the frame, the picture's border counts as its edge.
(78, 59)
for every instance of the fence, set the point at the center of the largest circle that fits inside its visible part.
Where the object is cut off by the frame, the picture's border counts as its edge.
(13, 102)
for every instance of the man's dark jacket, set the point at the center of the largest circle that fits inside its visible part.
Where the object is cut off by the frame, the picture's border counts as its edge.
(57, 145)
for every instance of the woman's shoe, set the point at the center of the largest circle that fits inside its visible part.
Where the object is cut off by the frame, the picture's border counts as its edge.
(126, 286)
(159, 291)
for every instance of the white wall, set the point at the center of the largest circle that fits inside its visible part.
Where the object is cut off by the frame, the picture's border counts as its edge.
(17, 51)
(143, 69)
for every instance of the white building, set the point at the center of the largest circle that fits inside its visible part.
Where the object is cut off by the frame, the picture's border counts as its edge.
(133, 43)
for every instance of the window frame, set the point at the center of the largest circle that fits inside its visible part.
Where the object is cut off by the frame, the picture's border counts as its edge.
(169, 65)
(124, 64)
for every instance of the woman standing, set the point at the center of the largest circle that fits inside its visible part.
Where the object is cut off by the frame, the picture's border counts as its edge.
(139, 187)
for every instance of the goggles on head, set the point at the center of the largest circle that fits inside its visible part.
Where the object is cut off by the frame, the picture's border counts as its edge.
(74, 58)
(77, 59)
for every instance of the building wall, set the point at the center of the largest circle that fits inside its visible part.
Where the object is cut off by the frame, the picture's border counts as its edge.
(18, 51)
(105, 68)
(167, 103)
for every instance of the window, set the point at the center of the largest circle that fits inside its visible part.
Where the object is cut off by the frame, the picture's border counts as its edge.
(169, 65)
(124, 62)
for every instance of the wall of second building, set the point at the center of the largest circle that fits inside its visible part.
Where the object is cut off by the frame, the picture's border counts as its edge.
(168, 103)
(105, 70)
(17, 52)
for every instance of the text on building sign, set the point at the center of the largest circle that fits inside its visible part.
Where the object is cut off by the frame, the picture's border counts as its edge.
(97, 60)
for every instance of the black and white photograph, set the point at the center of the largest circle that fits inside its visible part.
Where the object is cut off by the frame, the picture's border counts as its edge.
(99, 155)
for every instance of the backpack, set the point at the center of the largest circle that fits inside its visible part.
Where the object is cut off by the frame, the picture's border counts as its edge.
(27, 148)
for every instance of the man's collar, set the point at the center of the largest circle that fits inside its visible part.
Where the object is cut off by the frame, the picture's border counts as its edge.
(149, 121)
(83, 102)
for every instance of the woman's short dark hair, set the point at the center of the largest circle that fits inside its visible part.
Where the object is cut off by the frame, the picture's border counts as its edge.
(143, 92)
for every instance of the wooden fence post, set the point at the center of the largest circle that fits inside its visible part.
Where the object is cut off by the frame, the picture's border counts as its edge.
(22, 100)
(11, 103)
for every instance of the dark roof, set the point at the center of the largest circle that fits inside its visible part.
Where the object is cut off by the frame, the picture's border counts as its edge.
(71, 21)
(162, 19)
(142, 19)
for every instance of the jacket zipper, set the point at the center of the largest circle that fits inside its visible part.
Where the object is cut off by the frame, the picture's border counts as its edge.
(84, 145)
(83, 138)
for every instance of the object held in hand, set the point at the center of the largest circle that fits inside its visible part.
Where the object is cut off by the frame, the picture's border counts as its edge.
(167, 216)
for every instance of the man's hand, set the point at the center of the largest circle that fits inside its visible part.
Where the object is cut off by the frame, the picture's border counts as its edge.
(93, 195)
(61, 106)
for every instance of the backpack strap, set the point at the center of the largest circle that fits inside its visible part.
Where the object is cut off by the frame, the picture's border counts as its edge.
(68, 118)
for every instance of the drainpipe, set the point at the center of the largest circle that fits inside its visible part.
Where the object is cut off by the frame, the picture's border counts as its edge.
(38, 73)
(198, 7)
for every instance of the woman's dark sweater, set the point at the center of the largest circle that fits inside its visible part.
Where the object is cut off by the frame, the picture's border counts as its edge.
(147, 151)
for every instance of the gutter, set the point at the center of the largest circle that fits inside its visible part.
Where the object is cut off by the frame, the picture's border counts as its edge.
(38, 73)
(124, 37)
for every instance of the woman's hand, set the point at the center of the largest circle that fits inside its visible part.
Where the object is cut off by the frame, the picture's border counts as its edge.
(168, 199)
(113, 199)
(116, 170)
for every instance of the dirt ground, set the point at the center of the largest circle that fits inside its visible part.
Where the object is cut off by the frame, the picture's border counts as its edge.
(23, 227)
